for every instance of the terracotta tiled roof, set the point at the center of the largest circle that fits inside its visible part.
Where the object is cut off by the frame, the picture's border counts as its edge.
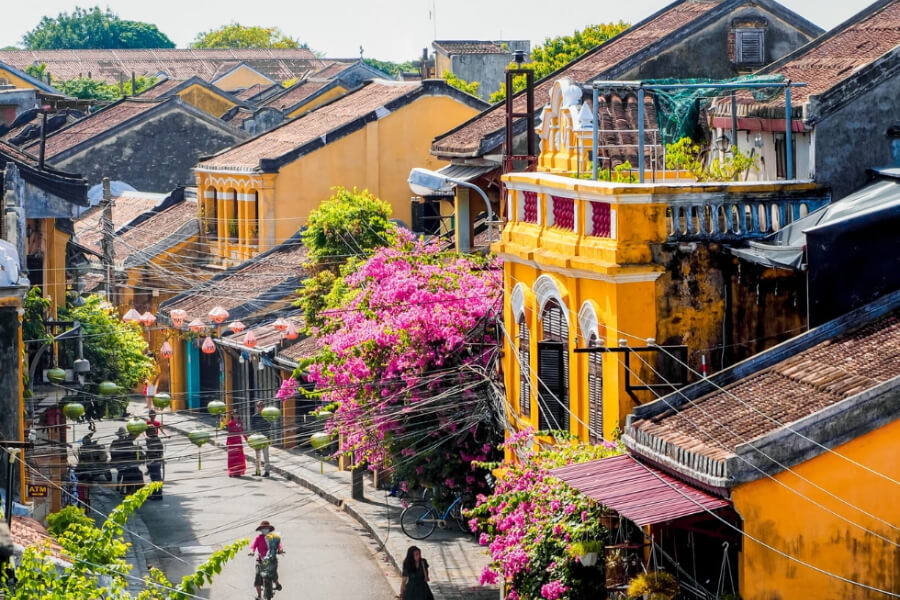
(804, 384)
(26, 531)
(265, 282)
(161, 88)
(311, 126)
(150, 236)
(54, 122)
(332, 70)
(113, 65)
(469, 47)
(296, 93)
(92, 125)
(88, 230)
(828, 60)
(256, 90)
(237, 117)
(302, 349)
(466, 139)
(68, 186)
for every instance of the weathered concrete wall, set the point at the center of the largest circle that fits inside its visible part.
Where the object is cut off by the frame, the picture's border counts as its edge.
(854, 138)
(487, 69)
(10, 379)
(721, 308)
(21, 99)
(263, 119)
(706, 53)
(156, 155)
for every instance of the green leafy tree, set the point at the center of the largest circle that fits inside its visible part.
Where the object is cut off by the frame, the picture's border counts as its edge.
(557, 52)
(344, 229)
(115, 349)
(93, 28)
(393, 68)
(97, 565)
(685, 155)
(34, 332)
(236, 35)
(461, 84)
(93, 89)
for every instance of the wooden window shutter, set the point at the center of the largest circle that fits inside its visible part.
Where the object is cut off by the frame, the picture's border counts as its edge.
(418, 214)
(595, 397)
(750, 47)
(552, 392)
(524, 369)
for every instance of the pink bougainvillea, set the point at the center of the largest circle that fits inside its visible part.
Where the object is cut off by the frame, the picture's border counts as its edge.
(407, 355)
(532, 519)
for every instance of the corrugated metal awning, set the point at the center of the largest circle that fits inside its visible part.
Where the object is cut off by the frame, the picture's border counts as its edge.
(636, 491)
(463, 173)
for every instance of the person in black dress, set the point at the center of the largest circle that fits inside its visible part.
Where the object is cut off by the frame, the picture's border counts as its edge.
(414, 584)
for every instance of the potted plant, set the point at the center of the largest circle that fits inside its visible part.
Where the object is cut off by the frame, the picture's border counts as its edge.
(587, 551)
(654, 585)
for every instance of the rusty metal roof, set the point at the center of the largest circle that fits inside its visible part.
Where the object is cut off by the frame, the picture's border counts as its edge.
(636, 491)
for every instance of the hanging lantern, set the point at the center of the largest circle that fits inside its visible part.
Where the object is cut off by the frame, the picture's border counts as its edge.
(73, 410)
(136, 426)
(319, 440)
(132, 316)
(148, 319)
(178, 316)
(250, 340)
(280, 324)
(209, 346)
(291, 331)
(216, 407)
(236, 326)
(271, 413)
(165, 351)
(198, 437)
(218, 314)
(196, 325)
(108, 388)
(257, 441)
(56, 375)
(162, 400)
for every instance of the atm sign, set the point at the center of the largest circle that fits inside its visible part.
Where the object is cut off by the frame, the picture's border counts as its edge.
(37, 491)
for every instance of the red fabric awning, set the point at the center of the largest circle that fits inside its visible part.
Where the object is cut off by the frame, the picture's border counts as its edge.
(636, 491)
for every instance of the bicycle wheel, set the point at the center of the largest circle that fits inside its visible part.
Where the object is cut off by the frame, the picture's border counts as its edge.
(267, 588)
(418, 521)
(456, 515)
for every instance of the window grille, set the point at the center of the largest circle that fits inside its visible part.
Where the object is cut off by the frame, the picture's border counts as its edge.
(601, 219)
(529, 200)
(564, 213)
(595, 394)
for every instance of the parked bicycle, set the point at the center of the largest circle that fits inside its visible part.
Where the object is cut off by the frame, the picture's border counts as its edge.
(419, 520)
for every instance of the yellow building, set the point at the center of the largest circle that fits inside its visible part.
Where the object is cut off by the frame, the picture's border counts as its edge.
(241, 77)
(197, 92)
(599, 264)
(791, 458)
(257, 194)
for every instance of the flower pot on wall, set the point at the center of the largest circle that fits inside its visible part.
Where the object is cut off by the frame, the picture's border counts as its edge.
(588, 559)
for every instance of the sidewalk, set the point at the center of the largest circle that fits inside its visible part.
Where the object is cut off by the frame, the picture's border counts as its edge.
(455, 558)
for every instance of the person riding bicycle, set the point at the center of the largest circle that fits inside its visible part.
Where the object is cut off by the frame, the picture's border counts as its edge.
(267, 546)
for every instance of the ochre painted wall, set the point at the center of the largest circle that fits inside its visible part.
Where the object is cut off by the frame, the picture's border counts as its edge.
(55, 266)
(240, 79)
(207, 101)
(13, 79)
(377, 157)
(795, 526)
(335, 92)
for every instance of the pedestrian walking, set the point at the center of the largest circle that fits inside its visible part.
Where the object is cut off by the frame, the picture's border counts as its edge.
(155, 453)
(234, 444)
(414, 582)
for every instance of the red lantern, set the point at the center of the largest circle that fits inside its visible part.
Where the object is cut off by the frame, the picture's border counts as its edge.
(132, 316)
(165, 351)
(148, 319)
(178, 316)
(291, 332)
(250, 340)
(280, 324)
(218, 314)
(196, 325)
(208, 346)
(236, 326)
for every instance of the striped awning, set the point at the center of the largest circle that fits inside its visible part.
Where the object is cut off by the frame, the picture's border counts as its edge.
(637, 491)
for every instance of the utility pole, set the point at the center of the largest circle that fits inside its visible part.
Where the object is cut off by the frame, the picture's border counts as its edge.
(13, 448)
(106, 242)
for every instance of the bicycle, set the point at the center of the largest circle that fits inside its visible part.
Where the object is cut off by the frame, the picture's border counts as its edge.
(418, 521)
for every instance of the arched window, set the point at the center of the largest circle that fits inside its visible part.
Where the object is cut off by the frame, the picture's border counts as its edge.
(595, 393)
(553, 368)
(524, 368)
(211, 216)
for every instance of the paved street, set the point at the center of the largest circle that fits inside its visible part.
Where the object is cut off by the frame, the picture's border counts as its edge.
(329, 555)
